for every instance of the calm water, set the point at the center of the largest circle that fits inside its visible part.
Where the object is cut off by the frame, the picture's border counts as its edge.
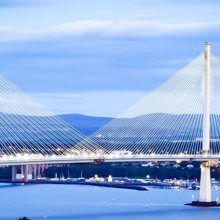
(60, 202)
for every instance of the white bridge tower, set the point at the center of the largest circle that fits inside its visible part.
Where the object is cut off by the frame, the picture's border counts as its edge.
(205, 185)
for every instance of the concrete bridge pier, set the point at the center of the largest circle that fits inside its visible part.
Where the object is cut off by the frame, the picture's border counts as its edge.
(30, 169)
(42, 170)
(25, 169)
(38, 170)
(34, 171)
(14, 172)
(205, 183)
(22, 169)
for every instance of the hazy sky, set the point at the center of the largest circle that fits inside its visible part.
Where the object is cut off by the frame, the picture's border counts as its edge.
(99, 57)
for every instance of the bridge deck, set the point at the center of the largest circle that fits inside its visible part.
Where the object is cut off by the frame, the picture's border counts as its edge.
(104, 158)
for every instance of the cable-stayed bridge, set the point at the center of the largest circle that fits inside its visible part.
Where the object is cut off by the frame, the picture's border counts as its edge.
(179, 121)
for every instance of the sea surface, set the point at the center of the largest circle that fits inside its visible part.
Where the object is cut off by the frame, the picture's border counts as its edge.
(72, 202)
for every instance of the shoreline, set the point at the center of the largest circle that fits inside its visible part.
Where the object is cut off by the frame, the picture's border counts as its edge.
(132, 186)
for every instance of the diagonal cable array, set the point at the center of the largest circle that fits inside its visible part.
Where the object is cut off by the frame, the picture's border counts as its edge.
(215, 104)
(169, 120)
(26, 127)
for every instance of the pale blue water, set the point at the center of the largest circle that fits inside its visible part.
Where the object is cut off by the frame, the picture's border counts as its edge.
(60, 202)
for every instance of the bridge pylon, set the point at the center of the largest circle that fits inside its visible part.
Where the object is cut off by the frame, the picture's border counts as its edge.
(205, 180)
(205, 185)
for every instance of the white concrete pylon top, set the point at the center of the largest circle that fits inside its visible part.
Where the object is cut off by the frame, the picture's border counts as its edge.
(206, 113)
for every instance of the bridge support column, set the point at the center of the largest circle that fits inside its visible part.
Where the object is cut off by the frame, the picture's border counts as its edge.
(22, 169)
(42, 170)
(25, 167)
(205, 183)
(34, 171)
(30, 169)
(14, 172)
(38, 170)
(205, 187)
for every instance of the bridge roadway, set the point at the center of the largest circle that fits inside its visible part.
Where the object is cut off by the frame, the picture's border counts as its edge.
(26, 160)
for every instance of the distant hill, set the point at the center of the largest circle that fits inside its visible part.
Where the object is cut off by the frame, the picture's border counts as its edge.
(85, 124)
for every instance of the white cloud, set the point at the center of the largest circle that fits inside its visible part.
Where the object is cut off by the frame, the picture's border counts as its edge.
(121, 28)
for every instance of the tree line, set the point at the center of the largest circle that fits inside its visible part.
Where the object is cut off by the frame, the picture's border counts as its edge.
(130, 170)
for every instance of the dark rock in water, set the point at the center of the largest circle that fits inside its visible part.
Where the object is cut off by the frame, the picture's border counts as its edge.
(204, 204)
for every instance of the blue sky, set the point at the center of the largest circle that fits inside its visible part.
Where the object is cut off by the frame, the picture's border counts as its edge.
(99, 57)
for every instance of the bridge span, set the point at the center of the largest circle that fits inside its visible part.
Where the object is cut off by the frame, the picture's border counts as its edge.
(10, 161)
(178, 121)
